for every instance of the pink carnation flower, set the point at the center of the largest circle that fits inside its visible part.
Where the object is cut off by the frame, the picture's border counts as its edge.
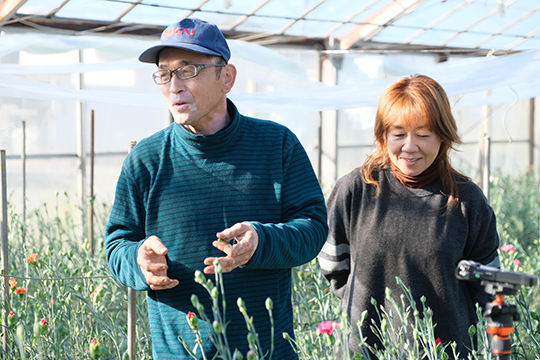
(517, 262)
(508, 248)
(327, 327)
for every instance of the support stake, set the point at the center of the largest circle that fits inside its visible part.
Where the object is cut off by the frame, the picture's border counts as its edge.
(132, 307)
(5, 249)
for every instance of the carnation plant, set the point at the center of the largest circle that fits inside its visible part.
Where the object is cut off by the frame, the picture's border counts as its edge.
(54, 280)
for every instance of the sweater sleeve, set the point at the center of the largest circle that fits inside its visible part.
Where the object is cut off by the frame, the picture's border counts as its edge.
(334, 258)
(125, 233)
(483, 239)
(303, 230)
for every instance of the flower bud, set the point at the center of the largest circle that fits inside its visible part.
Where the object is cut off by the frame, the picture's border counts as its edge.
(40, 328)
(217, 327)
(241, 306)
(200, 308)
(12, 319)
(252, 339)
(269, 304)
(199, 277)
(193, 321)
(194, 300)
(384, 325)
(218, 267)
(215, 293)
(251, 355)
(389, 293)
(93, 349)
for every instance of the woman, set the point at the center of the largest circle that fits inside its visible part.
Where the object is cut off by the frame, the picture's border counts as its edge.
(408, 213)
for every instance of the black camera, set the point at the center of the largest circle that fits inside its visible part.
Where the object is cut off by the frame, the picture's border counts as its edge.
(473, 271)
(500, 315)
(495, 280)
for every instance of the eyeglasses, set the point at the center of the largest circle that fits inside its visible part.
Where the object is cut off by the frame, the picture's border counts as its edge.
(162, 77)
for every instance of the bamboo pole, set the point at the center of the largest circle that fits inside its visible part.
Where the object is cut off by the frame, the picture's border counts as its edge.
(91, 203)
(5, 248)
(132, 307)
(23, 164)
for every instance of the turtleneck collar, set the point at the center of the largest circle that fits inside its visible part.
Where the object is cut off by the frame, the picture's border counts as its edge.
(210, 142)
(422, 181)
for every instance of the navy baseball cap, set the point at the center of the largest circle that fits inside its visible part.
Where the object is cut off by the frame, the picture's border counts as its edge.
(190, 34)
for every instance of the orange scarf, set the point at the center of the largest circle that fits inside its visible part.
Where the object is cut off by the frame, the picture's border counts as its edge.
(422, 181)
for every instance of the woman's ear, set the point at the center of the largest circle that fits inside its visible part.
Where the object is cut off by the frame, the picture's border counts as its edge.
(229, 77)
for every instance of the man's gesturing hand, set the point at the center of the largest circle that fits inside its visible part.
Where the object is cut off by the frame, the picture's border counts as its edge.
(238, 254)
(153, 264)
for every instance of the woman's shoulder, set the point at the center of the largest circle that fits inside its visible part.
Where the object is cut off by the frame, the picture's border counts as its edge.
(352, 177)
(470, 193)
(355, 178)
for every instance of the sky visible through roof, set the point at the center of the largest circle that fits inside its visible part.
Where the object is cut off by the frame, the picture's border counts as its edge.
(511, 25)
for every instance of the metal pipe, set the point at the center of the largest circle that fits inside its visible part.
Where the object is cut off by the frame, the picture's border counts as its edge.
(91, 202)
(5, 249)
(23, 164)
(132, 307)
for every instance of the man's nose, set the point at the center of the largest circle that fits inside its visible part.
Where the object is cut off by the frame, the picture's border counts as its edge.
(176, 84)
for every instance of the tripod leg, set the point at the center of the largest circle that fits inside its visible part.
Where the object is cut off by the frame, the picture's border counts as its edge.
(501, 346)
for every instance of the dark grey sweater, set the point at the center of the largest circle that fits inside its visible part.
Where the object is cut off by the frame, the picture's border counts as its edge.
(405, 233)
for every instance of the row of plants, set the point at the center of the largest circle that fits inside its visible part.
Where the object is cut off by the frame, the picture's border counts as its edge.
(64, 305)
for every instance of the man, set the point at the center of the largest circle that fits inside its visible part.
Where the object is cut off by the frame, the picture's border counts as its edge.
(214, 172)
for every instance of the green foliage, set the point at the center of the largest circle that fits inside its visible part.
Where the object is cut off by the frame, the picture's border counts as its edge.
(68, 289)
(86, 309)
(516, 203)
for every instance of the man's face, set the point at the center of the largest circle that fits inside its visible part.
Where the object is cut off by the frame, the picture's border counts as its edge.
(195, 103)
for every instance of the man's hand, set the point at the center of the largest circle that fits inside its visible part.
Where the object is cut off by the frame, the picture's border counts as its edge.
(153, 264)
(238, 254)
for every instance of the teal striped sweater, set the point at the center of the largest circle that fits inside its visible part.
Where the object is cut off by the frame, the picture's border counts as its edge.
(184, 188)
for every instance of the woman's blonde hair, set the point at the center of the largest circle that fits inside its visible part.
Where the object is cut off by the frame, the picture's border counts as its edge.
(409, 99)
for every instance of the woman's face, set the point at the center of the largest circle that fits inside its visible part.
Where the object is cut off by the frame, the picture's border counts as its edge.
(412, 148)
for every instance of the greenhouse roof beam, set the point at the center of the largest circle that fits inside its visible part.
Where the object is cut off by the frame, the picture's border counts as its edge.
(8, 8)
(437, 21)
(243, 18)
(301, 17)
(58, 8)
(378, 22)
(125, 12)
(513, 24)
(350, 18)
(499, 9)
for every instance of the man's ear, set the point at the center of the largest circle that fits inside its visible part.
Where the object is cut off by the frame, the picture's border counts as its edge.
(229, 77)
